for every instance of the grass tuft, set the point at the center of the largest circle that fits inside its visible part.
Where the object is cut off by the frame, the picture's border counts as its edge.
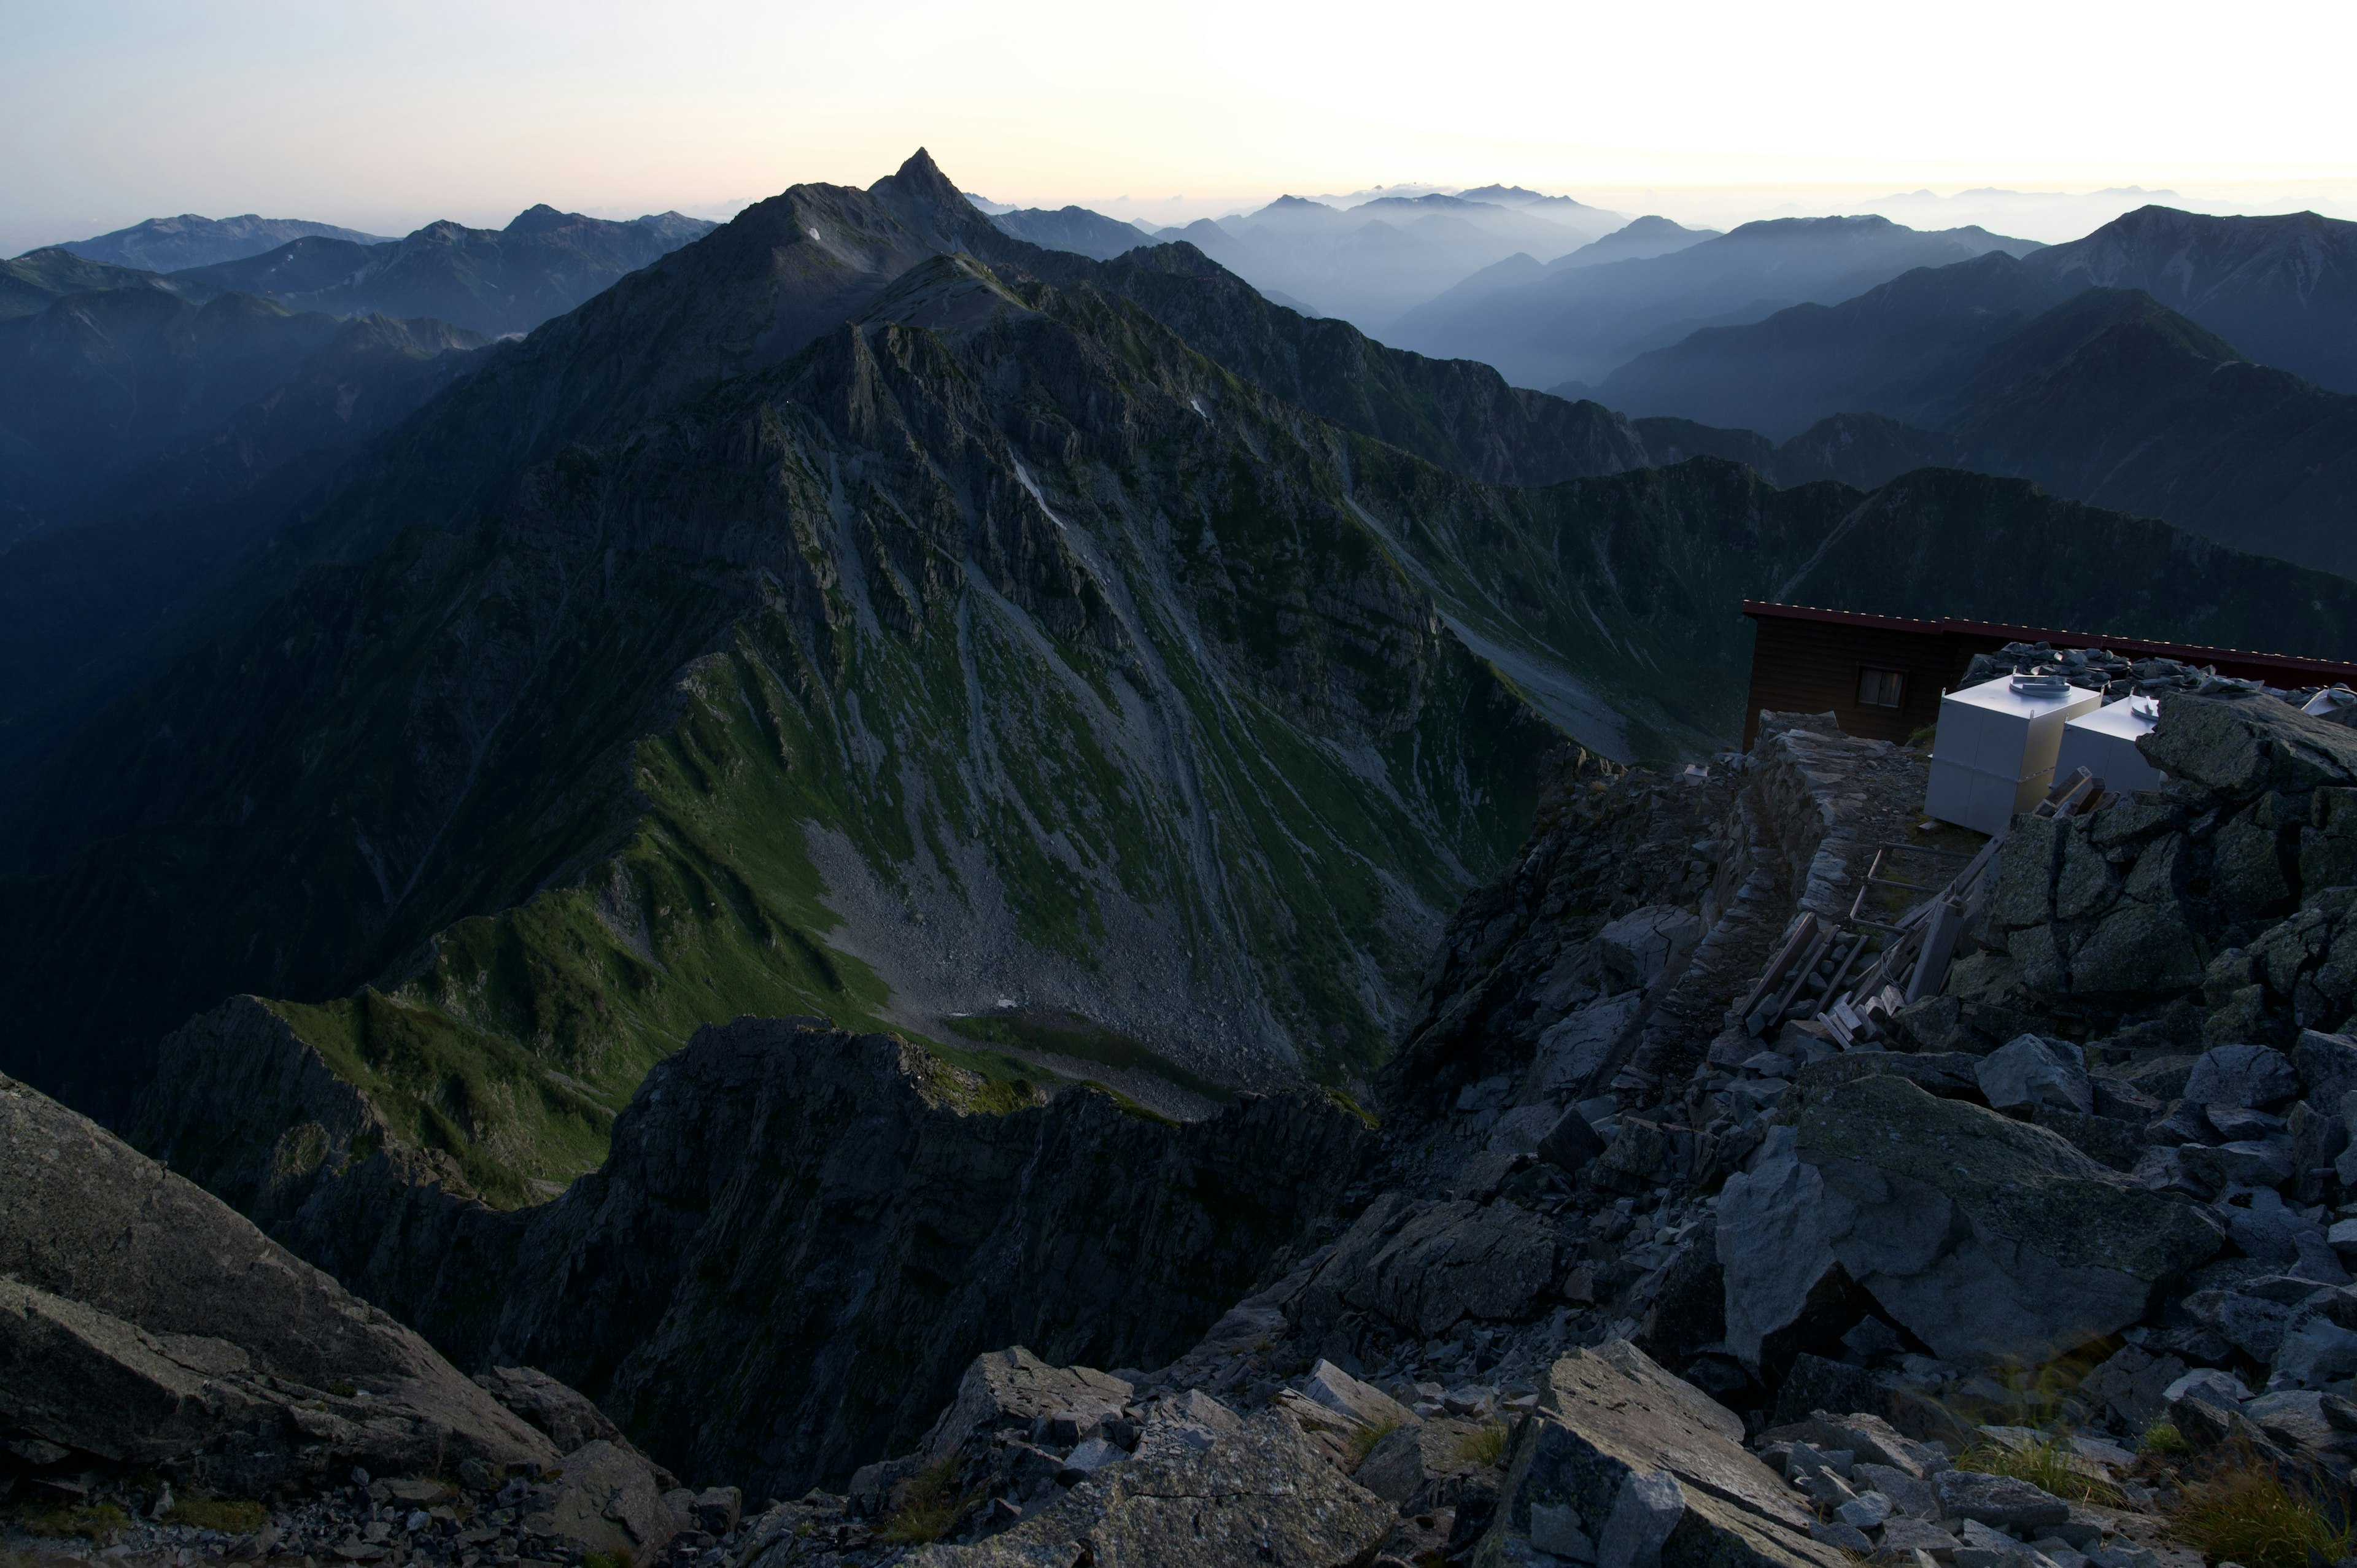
(616, 1558)
(1485, 1445)
(2247, 1514)
(98, 1523)
(929, 1507)
(231, 1516)
(2045, 1464)
(1363, 1441)
(2163, 1439)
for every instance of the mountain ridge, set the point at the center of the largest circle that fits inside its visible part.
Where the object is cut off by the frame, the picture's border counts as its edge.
(1578, 323)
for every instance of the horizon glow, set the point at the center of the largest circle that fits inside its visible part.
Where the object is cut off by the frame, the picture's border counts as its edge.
(384, 118)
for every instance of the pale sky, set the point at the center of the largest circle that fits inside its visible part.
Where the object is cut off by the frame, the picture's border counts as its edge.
(386, 116)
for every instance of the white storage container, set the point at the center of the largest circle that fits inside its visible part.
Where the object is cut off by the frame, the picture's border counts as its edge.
(2104, 743)
(1995, 751)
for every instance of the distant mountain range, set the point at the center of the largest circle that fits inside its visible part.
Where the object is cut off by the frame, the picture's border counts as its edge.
(1578, 323)
(172, 244)
(2281, 290)
(99, 385)
(105, 367)
(492, 281)
(1073, 229)
(1369, 263)
(2109, 397)
(1639, 240)
(2100, 392)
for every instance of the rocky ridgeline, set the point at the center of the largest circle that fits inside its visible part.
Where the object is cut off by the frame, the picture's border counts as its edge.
(1619, 1282)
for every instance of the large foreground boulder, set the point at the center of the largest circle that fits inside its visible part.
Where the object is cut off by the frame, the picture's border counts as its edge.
(1624, 1466)
(144, 1321)
(1992, 1240)
(1260, 1494)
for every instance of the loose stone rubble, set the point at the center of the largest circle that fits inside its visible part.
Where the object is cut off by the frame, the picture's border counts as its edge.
(1629, 1285)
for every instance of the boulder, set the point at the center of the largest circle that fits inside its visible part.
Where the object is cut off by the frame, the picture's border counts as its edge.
(2326, 1065)
(2131, 1386)
(1260, 1494)
(1634, 950)
(1571, 1144)
(569, 1418)
(1014, 1391)
(1189, 1422)
(2251, 1076)
(1425, 1266)
(1622, 1462)
(2028, 1071)
(1988, 1239)
(1341, 1413)
(1363, 1404)
(1572, 1051)
(606, 1498)
(2273, 1232)
(1999, 1501)
(2243, 746)
(142, 1321)
(1773, 1247)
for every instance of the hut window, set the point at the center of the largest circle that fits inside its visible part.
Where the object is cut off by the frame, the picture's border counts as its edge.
(1880, 688)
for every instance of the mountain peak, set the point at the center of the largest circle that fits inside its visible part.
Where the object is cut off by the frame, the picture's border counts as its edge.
(540, 218)
(920, 178)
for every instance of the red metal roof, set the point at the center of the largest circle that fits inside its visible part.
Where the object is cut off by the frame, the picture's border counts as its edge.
(2193, 653)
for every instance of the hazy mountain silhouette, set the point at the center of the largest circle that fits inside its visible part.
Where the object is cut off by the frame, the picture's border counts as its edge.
(1368, 263)
(489, 280)
(101, 383)
(1073, 229)
(173, 244)
(2281, 290)
(1578, 323)
(2109, 397)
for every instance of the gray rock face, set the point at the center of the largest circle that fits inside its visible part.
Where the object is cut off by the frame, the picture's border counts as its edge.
(1570, 1052)
(2249, 1076)
(1986, 1237)
(1620, 1452)
(570, 1420)
(1637, 947)
(142, 1319)
(817, 1229)
(2241, 746)
(1425, 1266)
(606, 1499)
(1773, 1246)
(2028, 1071)
(1014, 1391)
(2132, 1386)
(1260, 1494)
(1999, 1500)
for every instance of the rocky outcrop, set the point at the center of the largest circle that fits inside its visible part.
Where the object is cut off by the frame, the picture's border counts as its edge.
(1260, 1494)
(1984, 1237)
(1623, 1464)
(822, 1228)
(143, 1321)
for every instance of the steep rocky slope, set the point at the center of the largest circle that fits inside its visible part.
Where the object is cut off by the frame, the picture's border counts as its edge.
(145, 1323)
(994, 644)
(2108, 397)
(816, 1230)
(1047, 748)
(1623, 1267)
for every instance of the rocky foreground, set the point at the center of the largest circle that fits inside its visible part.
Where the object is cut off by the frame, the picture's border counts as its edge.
(2030, 1280)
